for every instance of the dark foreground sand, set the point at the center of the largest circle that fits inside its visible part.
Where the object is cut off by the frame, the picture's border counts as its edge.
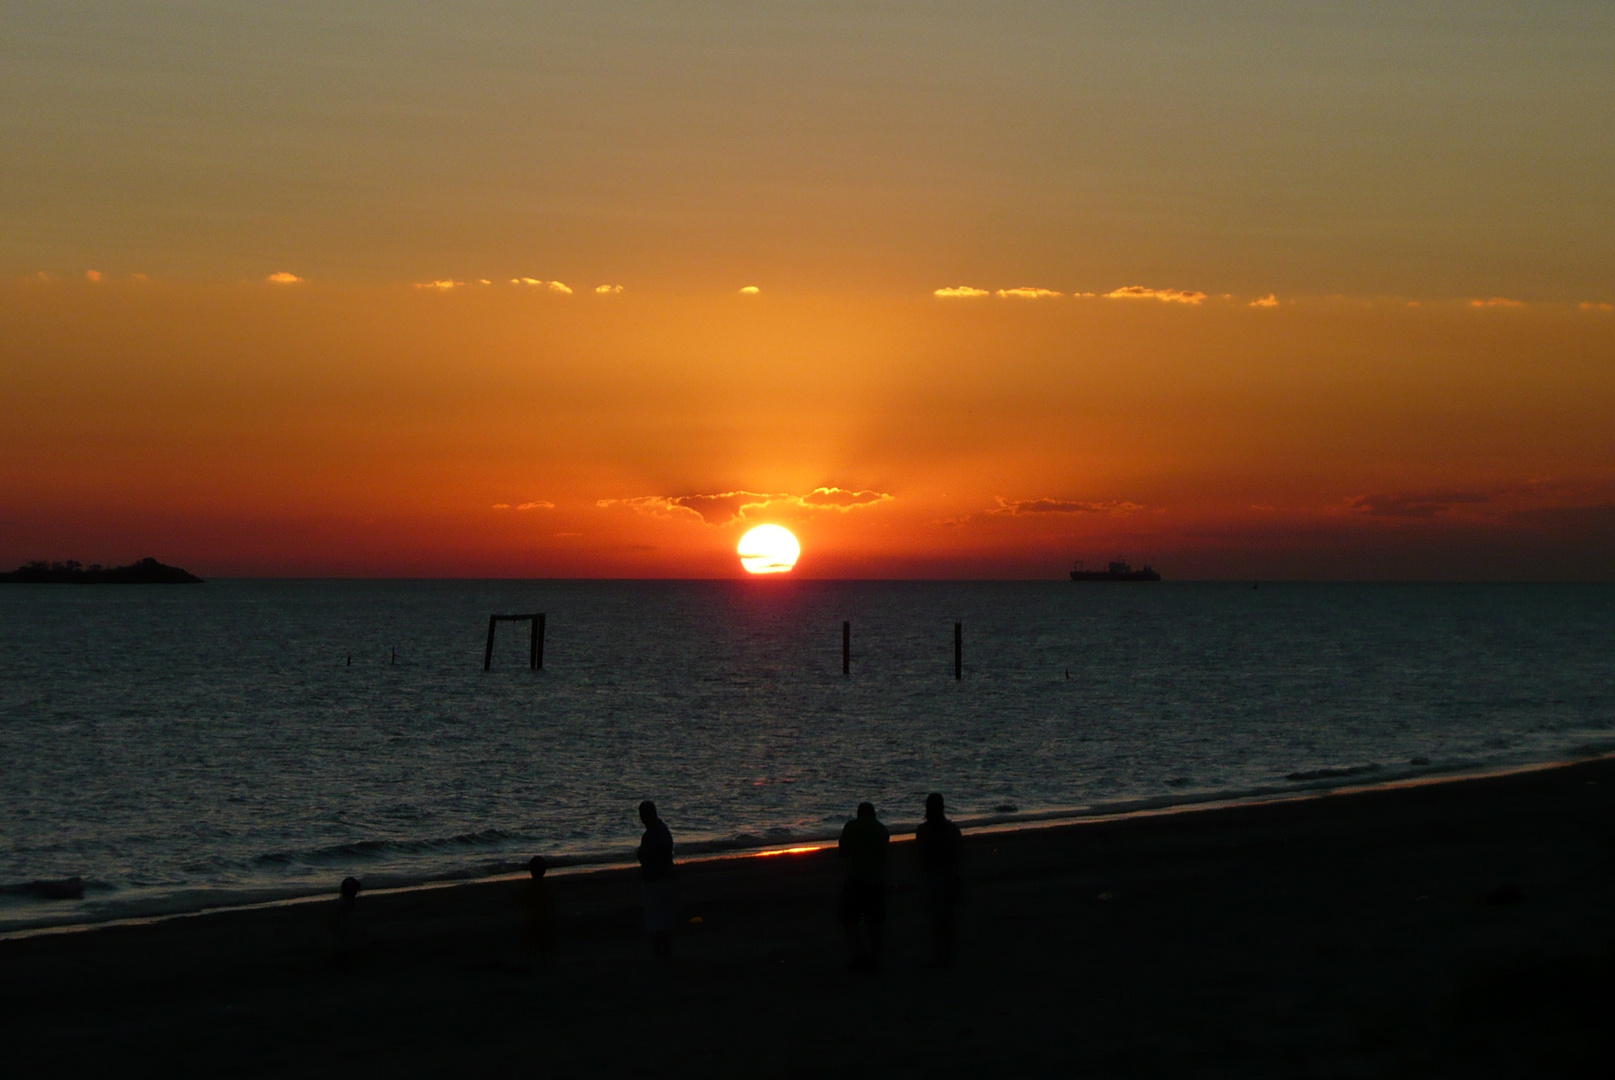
(1459, 929)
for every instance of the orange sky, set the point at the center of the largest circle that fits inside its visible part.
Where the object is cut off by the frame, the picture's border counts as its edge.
(508, 430)
(1305, 293)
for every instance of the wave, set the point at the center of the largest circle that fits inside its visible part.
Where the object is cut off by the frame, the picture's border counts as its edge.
(378, 849)
(68, 888)
(1333, 774)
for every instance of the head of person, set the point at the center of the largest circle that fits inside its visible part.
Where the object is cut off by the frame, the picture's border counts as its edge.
(350, 888)
(536, 866)
(647, 811)
(933, 806)
(866, 810)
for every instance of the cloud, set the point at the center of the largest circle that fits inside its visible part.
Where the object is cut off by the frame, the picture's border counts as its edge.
(1020, 507)
(95, 275)
(1415, 504)
(1497, 301)
(552, 286)
(281, 277)
(441, 286)
(719, 509)
(723, 507)
(1167, 296)
(1597, 521)
(607, 290)
(1588, 305)
(501, 506)
(958, 292)
(1270, 300)
(842, 499)
(1026, 292)
(536, 504)
(749, 290)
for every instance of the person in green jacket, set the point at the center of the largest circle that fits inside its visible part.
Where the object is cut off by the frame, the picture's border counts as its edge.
(863, 895)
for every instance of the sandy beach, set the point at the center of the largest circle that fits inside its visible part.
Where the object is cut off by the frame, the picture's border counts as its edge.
(1456, 928)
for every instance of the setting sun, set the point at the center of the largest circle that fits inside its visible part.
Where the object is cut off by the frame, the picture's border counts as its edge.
(769, 549)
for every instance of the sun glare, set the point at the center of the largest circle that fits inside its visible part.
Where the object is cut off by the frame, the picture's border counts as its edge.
(768, 549)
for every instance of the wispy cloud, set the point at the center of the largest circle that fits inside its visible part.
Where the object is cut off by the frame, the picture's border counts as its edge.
(843, 499)
(1026, 292)
(1589, 305)
(749, 290)
(282, 277)
(539, 283)
(1270, 300)
(1168, 296)
(960, 292)
(1497, 302)
(723, 507)
(500, 506)
(536, 504)
(1021, 507)
(1415, 504)
(716, 509)
(607, 290)
(441, 286)
(95, 275)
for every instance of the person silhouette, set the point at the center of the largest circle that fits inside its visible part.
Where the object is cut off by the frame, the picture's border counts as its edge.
(656, 878)
(345, 926)
(862, 848)
(940, 846)
(538, 906)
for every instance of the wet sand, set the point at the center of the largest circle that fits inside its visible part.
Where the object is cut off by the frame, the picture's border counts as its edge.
(1464, 928)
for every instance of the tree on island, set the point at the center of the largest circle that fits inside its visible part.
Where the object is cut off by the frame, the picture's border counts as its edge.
(147, 571)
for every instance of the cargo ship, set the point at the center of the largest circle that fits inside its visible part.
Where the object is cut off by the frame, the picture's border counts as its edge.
(1116, 571)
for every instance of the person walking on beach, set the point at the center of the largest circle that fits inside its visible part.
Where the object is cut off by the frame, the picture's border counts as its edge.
(940, 846)
(863, 895)
(349, 935)
(538, 907)
(656, 876)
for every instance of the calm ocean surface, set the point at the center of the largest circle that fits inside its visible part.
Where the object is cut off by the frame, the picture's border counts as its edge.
(176, 746)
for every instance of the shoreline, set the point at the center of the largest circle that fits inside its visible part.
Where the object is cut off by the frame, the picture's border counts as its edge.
(1426, 928)
(1346, 781)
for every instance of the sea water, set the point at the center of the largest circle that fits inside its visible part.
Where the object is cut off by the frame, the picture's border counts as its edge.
(176, 746)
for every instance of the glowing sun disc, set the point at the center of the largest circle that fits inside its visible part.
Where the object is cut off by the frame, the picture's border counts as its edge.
(768, 549)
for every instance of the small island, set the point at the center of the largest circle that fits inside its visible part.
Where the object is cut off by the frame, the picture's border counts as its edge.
(72, 572)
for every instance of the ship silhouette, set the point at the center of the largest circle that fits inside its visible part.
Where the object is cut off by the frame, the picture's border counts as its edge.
(1116, 571)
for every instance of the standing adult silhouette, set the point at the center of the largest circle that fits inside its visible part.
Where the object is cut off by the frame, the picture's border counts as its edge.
(538, 907)
(940, 847)
(346, 928)
(862, 848)
(656, 876)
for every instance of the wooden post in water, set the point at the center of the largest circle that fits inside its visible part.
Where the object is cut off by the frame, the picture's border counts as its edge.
(535, 638)
(958, 651)
(846, 648)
